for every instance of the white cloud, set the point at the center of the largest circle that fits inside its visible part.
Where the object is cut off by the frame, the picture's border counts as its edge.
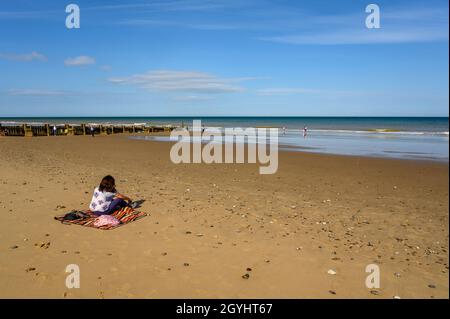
(323, 93)
(106, 68)
(182, 81)
(27, 57)
(398, 25)
(79, 61)
(39, 92)
(364, 36)
(287, 91)
(190, 98)
(172, 5)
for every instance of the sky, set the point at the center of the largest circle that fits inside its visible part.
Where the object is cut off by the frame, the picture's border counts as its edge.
(224, 58)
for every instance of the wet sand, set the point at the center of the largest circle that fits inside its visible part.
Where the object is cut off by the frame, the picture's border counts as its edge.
(223, 230)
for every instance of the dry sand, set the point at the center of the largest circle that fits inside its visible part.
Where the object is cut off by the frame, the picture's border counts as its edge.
(211, 224)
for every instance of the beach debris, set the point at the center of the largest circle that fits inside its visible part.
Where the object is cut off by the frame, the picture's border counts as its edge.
(335, 258)
(164, 254)
(375, 292)
(188, 232)
(396, 297)
(246, 276)
(249, 269)
(432, 286)
(14, 247)
(186, 264)
(43, 245)
(332, 292)
(30, 269)
(199, 235)
(397, 274)
(60, 207)
(332, 272)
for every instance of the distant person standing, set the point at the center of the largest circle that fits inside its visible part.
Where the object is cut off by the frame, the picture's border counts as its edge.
(92, 131)
(54, 130)
(284, 130)
(305, 131)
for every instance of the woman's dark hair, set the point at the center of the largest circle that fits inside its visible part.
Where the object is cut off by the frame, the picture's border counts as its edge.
(107, 184)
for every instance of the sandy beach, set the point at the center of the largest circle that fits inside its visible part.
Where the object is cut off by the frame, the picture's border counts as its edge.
(308, 231)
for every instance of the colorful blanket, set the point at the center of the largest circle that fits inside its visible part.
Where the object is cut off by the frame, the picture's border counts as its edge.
(124, 215)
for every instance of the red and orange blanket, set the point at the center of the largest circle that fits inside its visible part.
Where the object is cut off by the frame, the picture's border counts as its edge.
(124, 215)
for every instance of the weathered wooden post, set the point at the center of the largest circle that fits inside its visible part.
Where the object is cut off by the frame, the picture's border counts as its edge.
(27, 130)
(70, 129)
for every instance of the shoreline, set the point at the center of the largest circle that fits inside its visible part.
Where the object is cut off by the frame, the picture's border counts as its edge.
(282, 148)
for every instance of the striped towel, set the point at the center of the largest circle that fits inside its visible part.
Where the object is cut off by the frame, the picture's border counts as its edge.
(124, 215)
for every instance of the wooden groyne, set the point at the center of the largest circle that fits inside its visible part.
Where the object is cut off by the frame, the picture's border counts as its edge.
(46, 129)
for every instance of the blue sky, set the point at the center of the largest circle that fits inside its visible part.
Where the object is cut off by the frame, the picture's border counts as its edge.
(224, 57)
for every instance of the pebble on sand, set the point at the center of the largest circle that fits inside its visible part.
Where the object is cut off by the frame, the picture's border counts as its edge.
(246, 276)
(332, 272)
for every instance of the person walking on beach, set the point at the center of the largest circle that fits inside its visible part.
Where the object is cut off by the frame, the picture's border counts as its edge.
(54, 130)
(284, 130)
(305, 131)
(92, 130)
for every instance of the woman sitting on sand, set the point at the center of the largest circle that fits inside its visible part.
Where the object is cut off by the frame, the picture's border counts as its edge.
(106, 200)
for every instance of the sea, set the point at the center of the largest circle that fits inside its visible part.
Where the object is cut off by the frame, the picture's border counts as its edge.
(418, 138)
